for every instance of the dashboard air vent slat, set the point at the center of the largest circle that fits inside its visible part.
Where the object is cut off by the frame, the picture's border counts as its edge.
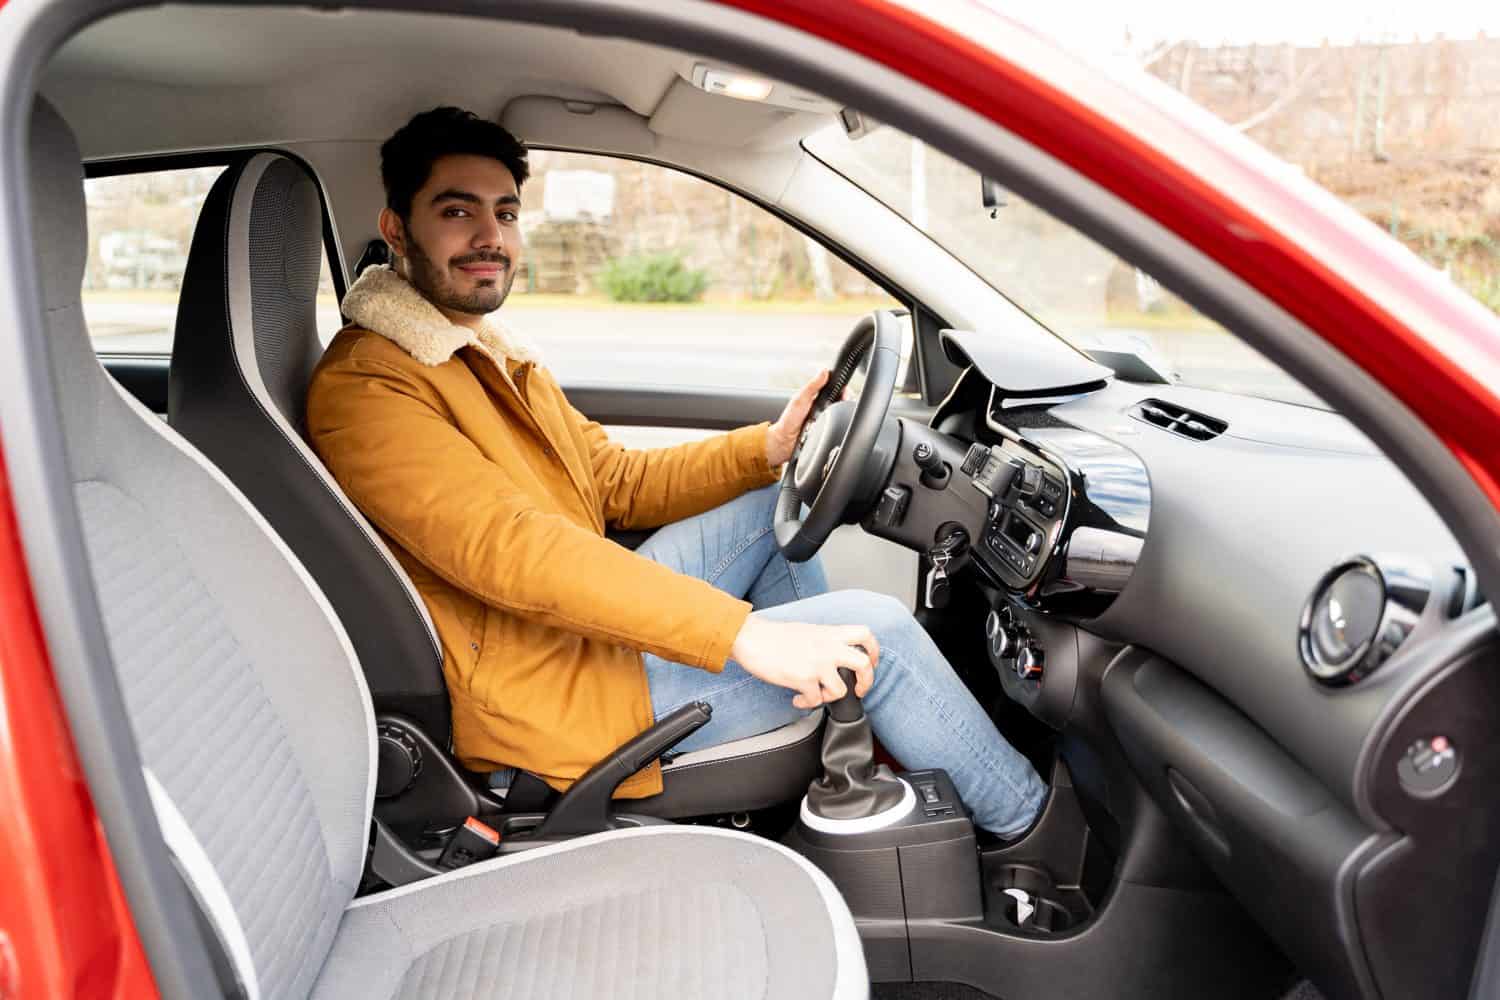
(1178, 419)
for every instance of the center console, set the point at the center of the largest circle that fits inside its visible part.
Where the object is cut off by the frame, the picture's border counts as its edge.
(923, 866)
(904, 853)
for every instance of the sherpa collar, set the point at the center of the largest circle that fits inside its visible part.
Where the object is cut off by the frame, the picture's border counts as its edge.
(384, 302)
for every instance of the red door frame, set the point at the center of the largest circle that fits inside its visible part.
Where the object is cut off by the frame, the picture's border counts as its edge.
(64, 926)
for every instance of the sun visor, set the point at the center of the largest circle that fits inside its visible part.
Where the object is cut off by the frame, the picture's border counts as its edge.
(1024, 366)
(602, 128)
(697, 116)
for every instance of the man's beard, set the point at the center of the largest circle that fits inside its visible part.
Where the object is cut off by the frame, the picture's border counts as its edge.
(432, 280)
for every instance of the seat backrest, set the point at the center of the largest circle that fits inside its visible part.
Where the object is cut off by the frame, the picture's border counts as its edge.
(244, 350)
(244, 694)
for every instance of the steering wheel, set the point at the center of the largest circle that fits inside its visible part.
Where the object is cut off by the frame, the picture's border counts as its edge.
(837, 440)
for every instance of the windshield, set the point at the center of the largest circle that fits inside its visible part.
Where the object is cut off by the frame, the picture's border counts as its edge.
(1067, 282)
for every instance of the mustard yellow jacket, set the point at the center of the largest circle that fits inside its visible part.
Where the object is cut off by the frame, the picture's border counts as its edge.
(494, 494)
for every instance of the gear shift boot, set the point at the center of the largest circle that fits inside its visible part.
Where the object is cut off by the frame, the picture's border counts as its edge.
(853, 789)
(853, 786)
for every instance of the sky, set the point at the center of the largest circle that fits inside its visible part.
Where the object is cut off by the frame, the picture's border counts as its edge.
(1102, 24)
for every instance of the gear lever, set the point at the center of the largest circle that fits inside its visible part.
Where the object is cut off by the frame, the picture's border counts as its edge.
(853, 786)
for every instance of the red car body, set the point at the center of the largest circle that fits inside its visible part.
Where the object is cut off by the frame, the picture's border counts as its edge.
(64, 927)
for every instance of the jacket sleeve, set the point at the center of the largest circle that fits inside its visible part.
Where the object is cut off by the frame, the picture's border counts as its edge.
(652, 487)
(429, 488)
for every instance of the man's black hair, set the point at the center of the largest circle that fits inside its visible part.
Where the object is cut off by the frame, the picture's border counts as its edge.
(406, 158)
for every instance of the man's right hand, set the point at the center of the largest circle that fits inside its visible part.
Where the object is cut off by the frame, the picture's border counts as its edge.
(806, 658)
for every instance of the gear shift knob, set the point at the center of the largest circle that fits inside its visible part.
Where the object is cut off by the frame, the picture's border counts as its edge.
(847, 708)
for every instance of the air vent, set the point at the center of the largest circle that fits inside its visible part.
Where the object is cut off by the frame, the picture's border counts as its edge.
(1360, 612)
(1178, 419)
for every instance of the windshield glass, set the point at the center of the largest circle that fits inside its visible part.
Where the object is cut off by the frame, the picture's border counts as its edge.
(1066, 281)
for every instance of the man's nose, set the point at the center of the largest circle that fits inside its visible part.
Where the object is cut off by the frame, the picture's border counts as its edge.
(490, 235)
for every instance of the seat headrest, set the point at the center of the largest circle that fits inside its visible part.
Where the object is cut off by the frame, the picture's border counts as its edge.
(248, 311)
(58, 213)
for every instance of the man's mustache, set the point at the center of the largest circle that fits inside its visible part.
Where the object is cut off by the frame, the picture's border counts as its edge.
(481, 258)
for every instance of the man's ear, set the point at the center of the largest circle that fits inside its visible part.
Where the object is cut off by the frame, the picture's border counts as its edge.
(393, 231)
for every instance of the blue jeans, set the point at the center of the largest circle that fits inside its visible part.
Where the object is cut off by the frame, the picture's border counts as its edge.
(919, 709)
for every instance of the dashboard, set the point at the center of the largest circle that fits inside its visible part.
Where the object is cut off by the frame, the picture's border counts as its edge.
(1250, 610)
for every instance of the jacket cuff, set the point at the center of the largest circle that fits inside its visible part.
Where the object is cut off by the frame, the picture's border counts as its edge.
(731, 614)
(750, 453)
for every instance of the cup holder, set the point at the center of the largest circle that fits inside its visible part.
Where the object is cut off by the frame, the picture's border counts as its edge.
(1029, 901)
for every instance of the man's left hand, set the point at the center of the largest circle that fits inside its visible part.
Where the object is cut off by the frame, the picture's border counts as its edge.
(781, 439)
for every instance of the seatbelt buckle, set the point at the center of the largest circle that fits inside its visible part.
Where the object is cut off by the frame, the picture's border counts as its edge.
(474, 841)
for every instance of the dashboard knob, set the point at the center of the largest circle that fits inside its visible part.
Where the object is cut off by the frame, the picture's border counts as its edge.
(1029, 663)
(1003, 643)
(991, 624)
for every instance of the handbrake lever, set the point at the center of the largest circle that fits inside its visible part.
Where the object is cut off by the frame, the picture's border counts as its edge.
(585, 808)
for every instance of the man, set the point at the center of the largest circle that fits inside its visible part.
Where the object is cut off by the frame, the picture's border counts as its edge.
(560, 645)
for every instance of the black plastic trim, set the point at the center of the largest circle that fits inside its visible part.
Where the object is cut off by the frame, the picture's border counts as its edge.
(1019, 367)
(1266, 826)
(443, 793)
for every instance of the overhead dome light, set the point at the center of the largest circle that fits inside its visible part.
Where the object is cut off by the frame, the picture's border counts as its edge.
(756, 89)
(746, 88)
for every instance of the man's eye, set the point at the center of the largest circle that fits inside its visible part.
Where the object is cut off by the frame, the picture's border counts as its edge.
(455, 213)
(508, 216)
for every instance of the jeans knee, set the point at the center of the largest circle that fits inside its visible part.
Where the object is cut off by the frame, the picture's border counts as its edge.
(882, 612)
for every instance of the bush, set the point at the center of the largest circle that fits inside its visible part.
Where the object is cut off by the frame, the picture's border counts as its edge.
(657, 277)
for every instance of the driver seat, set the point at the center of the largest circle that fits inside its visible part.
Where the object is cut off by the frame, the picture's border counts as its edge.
(245, 347)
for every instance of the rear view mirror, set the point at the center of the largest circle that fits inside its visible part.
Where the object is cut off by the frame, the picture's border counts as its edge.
(856, 124)
(991, 195)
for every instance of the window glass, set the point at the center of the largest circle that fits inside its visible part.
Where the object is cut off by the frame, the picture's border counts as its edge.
(636, 273)
(1066, 281)
(140, 229)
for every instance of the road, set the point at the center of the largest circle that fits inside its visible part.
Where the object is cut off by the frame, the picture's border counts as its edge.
(715, 347)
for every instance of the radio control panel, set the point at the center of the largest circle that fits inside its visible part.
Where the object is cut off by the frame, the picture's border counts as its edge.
(1027, 505)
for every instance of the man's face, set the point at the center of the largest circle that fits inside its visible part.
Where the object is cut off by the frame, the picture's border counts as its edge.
(462, 243)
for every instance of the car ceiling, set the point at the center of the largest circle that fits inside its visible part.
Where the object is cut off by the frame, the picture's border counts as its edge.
(175, 78)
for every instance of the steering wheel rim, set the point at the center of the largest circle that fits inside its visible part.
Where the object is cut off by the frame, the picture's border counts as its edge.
(877, 335)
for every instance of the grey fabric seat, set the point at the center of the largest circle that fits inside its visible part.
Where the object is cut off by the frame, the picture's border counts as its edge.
(245, 349)
(256, 731)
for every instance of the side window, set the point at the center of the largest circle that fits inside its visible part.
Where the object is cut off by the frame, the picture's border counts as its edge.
(140, 228)
(636, 273)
